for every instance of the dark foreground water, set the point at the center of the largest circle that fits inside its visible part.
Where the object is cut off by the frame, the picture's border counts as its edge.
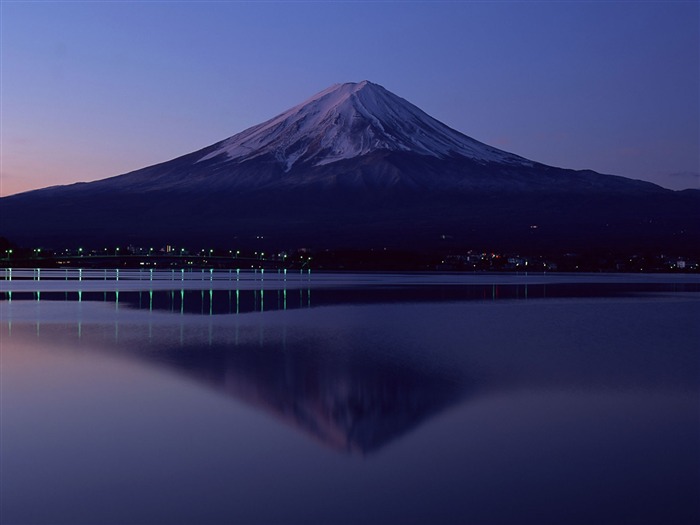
(433, 402)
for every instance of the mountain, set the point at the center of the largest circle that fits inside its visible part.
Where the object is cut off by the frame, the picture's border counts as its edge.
(357, 166)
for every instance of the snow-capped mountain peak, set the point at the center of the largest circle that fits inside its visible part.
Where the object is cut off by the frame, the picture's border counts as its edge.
(350, 120)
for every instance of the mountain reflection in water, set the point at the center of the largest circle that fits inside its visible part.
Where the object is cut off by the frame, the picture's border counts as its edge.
(431, 404)
(348, 397)
(348, 403)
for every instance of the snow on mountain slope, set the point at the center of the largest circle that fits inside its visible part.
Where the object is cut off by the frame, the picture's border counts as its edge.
(350, 120)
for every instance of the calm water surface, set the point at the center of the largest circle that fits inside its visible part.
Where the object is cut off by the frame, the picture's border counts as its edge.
(372, 399)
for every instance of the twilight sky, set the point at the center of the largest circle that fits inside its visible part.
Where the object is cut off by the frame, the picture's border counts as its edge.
(96, 89)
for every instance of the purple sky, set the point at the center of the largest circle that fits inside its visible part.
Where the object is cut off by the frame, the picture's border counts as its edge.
(96, 89)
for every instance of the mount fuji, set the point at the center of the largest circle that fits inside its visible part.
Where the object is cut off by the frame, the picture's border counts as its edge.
(357, 166)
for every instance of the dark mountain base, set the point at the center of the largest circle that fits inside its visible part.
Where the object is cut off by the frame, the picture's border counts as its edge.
(528, 222)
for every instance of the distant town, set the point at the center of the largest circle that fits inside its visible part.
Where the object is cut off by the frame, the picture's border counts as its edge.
(383, 259)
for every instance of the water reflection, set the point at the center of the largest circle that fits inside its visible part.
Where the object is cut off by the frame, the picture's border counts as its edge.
(580, 411)
(237, 300)
(346, 402)
(349, 390)
(346, 397)
(199, 302)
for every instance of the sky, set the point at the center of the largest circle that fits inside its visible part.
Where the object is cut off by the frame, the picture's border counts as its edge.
(94, 89)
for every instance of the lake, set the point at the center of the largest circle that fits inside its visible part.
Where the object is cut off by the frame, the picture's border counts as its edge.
(350, 398)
